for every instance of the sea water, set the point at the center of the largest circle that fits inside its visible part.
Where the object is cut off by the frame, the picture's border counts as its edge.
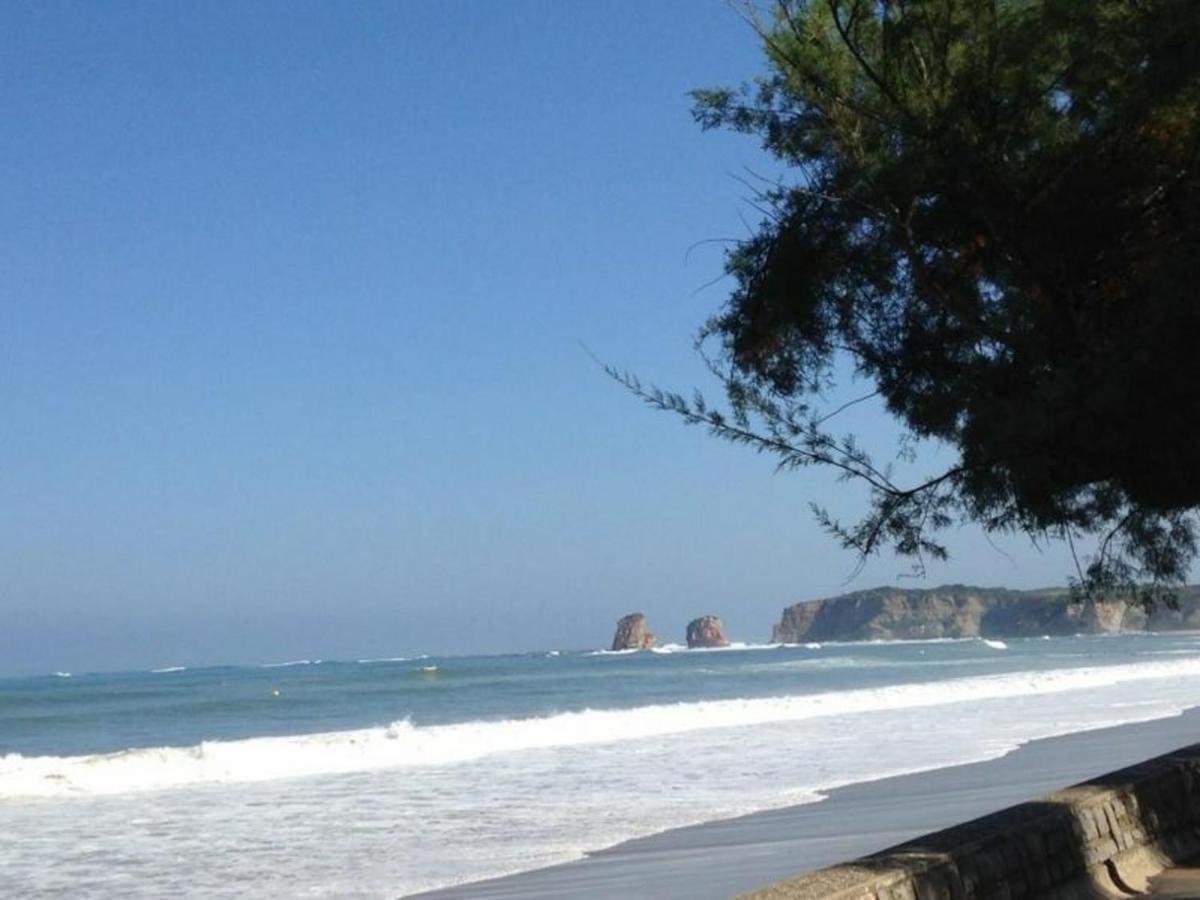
(383, 777)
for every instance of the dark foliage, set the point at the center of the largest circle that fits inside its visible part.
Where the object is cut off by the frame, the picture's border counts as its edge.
(993, 211)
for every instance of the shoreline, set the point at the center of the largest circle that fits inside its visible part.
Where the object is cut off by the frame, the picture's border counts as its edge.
(726, 857)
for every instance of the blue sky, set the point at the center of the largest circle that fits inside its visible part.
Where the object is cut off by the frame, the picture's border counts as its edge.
(293, 300)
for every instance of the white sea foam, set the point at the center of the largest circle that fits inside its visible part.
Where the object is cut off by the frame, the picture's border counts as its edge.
(403, 744)
(667, 648)
(291, 662)
(337, 834)
(168, 669)
(390, 659)
(995, 645)
(61, 674)
(876, 642)
(732, 646)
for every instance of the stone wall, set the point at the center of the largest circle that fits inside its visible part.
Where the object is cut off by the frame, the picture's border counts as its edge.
(1102, 838)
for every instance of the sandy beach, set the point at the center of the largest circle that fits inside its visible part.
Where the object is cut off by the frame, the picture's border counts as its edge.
(724, 858)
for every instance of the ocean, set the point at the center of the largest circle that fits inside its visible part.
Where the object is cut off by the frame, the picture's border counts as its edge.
(378, 778)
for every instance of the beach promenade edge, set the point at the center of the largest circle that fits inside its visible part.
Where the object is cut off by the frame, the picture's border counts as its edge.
(1105, 837)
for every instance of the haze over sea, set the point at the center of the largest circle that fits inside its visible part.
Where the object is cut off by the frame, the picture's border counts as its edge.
(382, 777)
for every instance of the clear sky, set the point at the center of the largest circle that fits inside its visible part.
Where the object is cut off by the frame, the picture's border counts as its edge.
(292, 305)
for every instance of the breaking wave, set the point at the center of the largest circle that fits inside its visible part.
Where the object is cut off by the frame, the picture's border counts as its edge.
(403, 744)
(391, 659)
(290, 663)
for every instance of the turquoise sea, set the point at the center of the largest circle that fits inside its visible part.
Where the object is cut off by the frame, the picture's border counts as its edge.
(383, 777)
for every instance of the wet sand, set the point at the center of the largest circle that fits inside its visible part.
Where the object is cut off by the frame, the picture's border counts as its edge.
(724, 858)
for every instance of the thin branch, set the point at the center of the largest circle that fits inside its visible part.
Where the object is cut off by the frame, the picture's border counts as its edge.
(1074, 555)
(866, 67)
(845, 406)
(717, 424)
(687, 253)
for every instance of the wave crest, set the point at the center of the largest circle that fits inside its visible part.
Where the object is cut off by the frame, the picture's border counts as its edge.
(403, 744)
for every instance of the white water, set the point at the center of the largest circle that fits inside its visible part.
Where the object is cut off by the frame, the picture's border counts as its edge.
(388, 811)
(401, 745)
(290, 663)
(391, 659)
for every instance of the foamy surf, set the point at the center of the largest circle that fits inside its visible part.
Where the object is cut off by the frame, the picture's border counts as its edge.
(668, 649)
(731, 647)
(505, 771)
(403, 744)
(291, 662)
(390, 659)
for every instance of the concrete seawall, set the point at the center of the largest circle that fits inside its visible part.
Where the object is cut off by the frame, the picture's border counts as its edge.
(1104, 838)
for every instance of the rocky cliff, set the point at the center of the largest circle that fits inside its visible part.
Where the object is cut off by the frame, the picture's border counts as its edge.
(956, 611)
(632, 633)
(706, 631)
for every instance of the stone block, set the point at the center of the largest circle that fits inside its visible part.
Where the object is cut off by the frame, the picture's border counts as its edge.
(930, 887)
(1088, 824)
(1096, 853)
(1038, 853)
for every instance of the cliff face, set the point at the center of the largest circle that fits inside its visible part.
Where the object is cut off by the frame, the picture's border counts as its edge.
(956, 611)
(706, 631)
(632, 633)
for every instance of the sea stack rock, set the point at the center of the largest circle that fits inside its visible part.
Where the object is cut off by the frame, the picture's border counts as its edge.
(632, 633)
(706, 631)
